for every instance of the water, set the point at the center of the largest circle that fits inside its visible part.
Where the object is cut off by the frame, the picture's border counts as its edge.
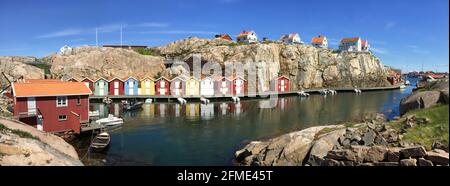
(195, 134)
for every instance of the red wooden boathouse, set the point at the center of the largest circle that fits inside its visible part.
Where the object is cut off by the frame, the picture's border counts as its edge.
(51, 105)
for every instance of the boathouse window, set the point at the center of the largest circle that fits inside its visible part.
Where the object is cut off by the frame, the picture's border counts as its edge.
(78, 100)
(62, 117)
(61, 101)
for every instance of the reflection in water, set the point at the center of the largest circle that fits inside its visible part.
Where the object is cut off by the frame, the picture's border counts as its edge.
(196, 134)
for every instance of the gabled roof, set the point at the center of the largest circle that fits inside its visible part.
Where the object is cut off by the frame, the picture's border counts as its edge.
(162, 77)
(318, 39)
(114, 78)
(234, 77)
(86, 78)
(192, 78)
(46, 89)
(178, 78)
(207, 77)
(283, 76)
(73, 78)
(101, 78)
(224, 36)
(147, 77)
(245, 33)
(350, 40)
(131, 77)
(363, 42)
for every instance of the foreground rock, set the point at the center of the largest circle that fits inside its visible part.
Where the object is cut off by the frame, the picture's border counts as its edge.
(429, 94)
(23, 145)
(287, 150)
(95, 62)
(372, 143)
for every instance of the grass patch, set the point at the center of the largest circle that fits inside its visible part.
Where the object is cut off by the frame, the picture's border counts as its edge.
(146, 51)
(327, 130)
(426, 134)
(233, 44)
(20, 133)
(46, 67)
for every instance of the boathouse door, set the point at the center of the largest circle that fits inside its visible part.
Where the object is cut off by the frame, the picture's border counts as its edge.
(282, 85)
(31, 103)
(224, 89)
(131, 88)
(238, 86)
(177, 88)
(162, 88)
(102, 88)
(147, 87)
(116, 88)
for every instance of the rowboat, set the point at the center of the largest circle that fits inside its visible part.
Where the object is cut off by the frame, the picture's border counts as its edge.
(101, 141)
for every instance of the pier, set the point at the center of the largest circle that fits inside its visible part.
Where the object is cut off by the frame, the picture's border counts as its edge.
(162, 98)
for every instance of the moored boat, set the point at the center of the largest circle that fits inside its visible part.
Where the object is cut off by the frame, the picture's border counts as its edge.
(101, 141)
(94, 113)
(110, 121)
(132, 106)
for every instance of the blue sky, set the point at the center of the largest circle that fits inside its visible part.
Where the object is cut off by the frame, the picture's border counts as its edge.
(403, 33)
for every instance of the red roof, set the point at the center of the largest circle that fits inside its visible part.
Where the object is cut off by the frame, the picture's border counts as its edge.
(245, 33)
(318, 39)
(39, 88)
(363, 42)
(348, 40)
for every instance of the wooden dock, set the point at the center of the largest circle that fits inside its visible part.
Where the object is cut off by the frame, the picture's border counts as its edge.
(92, 127)
(157, 98)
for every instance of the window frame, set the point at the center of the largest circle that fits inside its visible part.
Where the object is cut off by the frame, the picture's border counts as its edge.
(64, 100)
(62, 119)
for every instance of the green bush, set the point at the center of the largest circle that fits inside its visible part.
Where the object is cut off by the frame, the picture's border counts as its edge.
(146, 51)
(46, 67)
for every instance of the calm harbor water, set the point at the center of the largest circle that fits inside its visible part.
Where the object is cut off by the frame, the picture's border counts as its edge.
(197, 134)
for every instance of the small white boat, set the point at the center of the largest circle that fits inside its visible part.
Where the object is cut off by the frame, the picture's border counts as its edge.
(110, 121)
(94, 113)
(407, 82)
(148, 101)
(107, 100)
(101, 141)
(402, 86)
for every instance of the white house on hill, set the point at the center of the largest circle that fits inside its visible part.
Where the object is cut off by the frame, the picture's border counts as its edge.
(320, 41)
(291, 38)
(65, 50)
(247, 37)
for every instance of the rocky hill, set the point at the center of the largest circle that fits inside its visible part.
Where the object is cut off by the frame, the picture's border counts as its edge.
(15, 67)
(305, 65)
(95, 62)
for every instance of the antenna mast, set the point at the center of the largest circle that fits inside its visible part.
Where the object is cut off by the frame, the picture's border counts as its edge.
(96, 37)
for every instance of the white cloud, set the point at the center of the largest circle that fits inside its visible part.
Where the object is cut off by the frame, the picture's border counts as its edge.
(379, 50)
(199, 32)
(62, 33)
(389, 25)
(418, 50)
(100, 29)
(151, 24)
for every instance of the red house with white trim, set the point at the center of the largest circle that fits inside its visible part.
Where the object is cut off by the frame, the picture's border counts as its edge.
(51, 106)
(116, 86)
(239, 85)
(162, 86)
(280, 84)
(223, 86)
(89, 83)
